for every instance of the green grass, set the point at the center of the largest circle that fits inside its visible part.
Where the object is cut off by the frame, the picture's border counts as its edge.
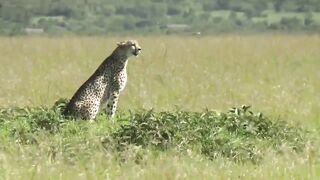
(191, 83)
(41, 138)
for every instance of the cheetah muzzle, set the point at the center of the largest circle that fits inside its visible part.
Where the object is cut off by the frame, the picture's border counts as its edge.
(102, 89)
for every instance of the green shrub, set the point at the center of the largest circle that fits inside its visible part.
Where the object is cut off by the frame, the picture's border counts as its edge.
(290, 22)
(239, 134)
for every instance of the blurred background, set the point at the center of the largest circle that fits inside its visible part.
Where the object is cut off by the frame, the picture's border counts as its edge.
(103, 17)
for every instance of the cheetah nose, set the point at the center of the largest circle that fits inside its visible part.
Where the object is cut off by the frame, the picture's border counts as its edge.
(139, 49)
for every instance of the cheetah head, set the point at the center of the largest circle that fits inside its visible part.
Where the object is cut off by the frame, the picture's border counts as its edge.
(130, 47)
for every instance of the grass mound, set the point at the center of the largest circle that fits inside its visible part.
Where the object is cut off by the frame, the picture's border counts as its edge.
(238, 134)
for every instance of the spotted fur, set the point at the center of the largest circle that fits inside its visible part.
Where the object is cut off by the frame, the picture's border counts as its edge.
(103, 88)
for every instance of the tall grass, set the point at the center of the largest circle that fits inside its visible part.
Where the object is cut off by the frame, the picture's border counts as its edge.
(276, 74)
(40, 143)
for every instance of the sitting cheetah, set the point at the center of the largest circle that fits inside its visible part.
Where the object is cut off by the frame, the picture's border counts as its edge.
(104, 85)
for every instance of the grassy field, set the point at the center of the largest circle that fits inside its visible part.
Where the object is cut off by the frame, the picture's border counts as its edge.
(275, 74)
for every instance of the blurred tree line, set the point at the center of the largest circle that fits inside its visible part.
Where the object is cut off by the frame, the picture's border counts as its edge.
(92, 17)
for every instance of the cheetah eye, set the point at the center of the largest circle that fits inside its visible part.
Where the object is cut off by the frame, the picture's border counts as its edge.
(136, 48)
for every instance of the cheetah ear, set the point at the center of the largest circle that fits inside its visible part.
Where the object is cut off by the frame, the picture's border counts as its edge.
(121, 43)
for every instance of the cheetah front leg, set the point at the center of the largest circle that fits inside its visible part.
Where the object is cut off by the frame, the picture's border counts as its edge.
(112, 103)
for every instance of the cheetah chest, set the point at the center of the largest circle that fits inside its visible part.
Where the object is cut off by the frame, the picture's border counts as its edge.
(122, 79)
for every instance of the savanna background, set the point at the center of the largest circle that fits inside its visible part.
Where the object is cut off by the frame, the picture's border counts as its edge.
(185, 111)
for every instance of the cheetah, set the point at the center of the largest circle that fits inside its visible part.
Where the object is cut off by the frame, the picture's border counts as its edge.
(103, 88)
